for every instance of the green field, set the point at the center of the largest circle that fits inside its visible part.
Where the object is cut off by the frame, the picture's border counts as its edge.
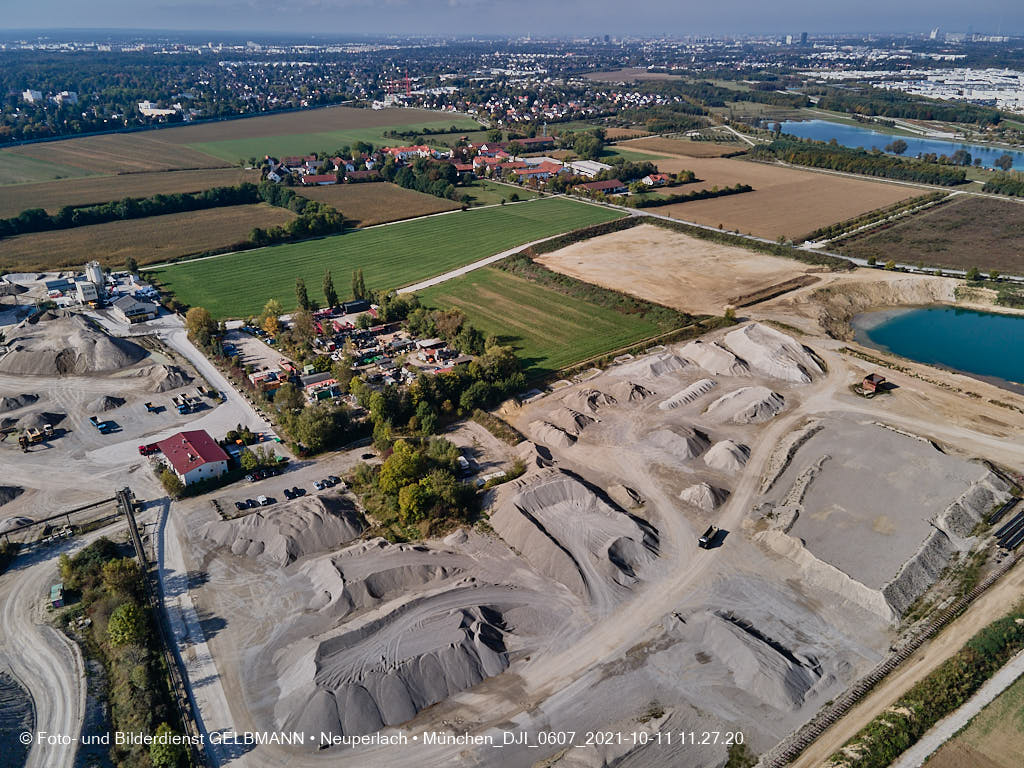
(19, 169)
(628, 154)
(547, 329)
(486, 192)
(391, 256)
(234, 150)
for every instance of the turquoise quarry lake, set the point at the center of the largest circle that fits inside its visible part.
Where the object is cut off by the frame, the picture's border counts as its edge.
(983, 344)
(865, 138)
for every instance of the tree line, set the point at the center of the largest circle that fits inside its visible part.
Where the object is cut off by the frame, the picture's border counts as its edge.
(1006, 184)
(685, 197)
(833, 156)
(876, 101)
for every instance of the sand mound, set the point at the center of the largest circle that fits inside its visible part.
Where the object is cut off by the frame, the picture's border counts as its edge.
(545, 432)
(9, 493)
(164, 378)
(383, 671)
(534, 455)
(714, 358)
(61, 345)
(748, 405)
(651, 366)
(569, 533)
(773, 353)
(698, 389)
(40, 419)
(15, 402)
(571, 421)
(286, 532)
(727, 456)
(704, 496)
(630, 392)
(681, 442)
(106, 403)
(588, 400)
(759, 665)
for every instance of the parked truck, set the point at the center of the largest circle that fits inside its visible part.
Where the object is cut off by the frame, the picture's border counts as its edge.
(148, 450)
(708, 537)
(150, 407)
(102, 426)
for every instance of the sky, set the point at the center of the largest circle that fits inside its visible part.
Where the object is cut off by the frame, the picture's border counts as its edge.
(515, 17)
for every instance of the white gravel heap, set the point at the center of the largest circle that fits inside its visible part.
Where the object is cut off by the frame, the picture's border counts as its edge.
(714, 358)
(651, 366)
(773, 353)
(696, 390)
(630, 392)
(571, 421)
(60, 344)
(704, 496)
(14, 402)
(590, 400)
(550, 434)
(681, 442)
(727, 456)
(747, 405)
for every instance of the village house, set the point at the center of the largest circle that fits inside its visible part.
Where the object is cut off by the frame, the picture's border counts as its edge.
(194, 456)
(319, 179)
(656, 179)
(407, 153)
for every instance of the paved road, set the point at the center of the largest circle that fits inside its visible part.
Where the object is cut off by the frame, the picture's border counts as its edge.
(944, 730)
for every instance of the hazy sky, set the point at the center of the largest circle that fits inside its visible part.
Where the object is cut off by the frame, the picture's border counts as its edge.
(674, 17)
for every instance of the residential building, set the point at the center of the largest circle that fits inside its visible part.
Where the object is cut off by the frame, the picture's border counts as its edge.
(406, 153)
(32, 96)
(194, 456)
(656, 179)
(66, 97)
(319, 179)
(357, 176)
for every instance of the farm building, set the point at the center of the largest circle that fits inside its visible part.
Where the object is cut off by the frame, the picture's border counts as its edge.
(319, 179)
(609, 187)
(194, 456)
(542, 171)
(405, 153)
(588, 168)
(131, 310)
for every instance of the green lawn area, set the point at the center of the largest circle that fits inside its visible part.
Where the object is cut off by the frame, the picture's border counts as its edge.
(19, 169)
(995, 737)
(547, 329)
(234, 150)
(391, 256)
(486, 192)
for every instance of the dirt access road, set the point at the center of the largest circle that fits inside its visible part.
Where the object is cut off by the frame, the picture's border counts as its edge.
(989, 607)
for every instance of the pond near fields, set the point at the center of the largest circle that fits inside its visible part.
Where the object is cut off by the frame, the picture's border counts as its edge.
(986, 345)
(865, 138)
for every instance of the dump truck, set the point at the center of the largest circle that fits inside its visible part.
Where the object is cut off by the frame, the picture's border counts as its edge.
(706, 539)
(150, 407)
(103, 426)
(148, 450)
(183, 403)
(33, 435)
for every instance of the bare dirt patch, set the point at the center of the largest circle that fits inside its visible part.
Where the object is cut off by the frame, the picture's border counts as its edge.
(614, 134)
(969, 232)
(685, 148)
(149, 240)
(670, 268)
(378, 202)
(785, 201)
(51, 195)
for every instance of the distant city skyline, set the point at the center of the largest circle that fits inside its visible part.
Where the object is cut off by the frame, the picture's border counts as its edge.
(536, 17)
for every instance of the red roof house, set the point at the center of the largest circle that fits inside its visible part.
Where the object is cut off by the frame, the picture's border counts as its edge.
(194, 456)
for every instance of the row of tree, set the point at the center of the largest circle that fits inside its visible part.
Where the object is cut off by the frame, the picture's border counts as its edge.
(833, 156)
(1006, 184)
(685, 197)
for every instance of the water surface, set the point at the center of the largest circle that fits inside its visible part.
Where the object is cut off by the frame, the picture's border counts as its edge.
(982, 344)
(864, 138)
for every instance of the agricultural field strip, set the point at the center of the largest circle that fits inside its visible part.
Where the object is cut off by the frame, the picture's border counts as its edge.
(548, 329)
(238, 284)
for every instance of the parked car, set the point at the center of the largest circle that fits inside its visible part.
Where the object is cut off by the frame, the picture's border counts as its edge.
(319, 485)
(298, 491)
(333, 479)
(288, 493)
(240, 505)
(251, 503)
(366, 456)
(263, 501)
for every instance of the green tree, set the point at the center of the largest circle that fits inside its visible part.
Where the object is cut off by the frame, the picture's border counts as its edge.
(993, 275)
(1004, 161)
(301, 295)
(288, 397)
(172, 483)
(973, 274)
(413, 503)
(897, 147)
(248, 460)
(122, 575)
(330, 294)
(163, 753)
(200, 325)
(131, 265)
(270, 319)
(302, 326)
(127, 625)
(890, 265)
(403, 466)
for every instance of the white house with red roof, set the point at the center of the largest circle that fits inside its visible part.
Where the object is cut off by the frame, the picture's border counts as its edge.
(194, 456)
(404, 153)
